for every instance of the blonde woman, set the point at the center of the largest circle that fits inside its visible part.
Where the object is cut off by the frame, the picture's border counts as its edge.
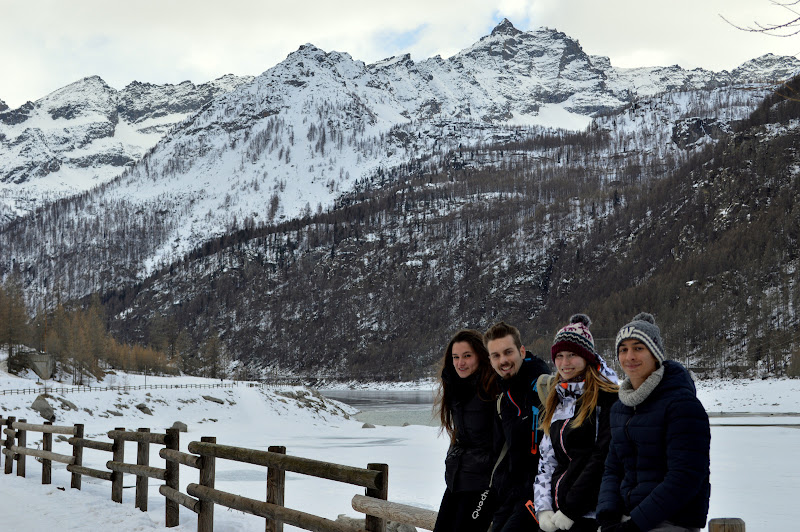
(575, 421)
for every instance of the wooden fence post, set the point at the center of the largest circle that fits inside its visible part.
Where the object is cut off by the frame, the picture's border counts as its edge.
(205, 518)
(47, 465)
(118, 451)
(9, 444)
(276, 489)
(173, 441)
(77, 454)
(376, 524)
(142, 458)
(22, 441)
(727, 524)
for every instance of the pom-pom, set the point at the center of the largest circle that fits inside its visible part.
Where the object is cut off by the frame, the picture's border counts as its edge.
(644, 316)
(580, 318)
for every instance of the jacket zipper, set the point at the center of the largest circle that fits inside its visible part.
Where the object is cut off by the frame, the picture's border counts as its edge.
(563, 448)
(628, 435)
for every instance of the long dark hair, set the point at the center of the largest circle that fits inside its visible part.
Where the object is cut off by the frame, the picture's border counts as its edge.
(486, 388)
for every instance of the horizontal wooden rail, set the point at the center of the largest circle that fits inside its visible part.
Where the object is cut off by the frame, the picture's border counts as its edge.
(138, 470)
(189, 460)
(304, 466)
(141, 437)
(401, 513)
(265, 509)
(181, 498)
(76, 389)
(46, 429)
(89, 472)
(47, 455)
(10, 432)
(92, 444)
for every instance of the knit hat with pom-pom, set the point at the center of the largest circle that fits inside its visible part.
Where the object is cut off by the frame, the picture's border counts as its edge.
(644, 328)
(577, 339)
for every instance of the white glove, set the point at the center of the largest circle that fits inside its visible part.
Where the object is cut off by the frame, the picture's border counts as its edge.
(545, 518)
(562, 522)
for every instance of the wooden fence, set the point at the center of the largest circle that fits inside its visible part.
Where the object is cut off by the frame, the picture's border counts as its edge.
(78, 389)
(201, 497)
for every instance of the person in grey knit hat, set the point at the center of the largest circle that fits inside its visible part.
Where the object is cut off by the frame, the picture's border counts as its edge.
(657, 470)
(644, 328)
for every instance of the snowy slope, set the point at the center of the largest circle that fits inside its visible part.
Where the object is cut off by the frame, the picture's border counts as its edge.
(300, 419)
(84, 134)
(415, 455)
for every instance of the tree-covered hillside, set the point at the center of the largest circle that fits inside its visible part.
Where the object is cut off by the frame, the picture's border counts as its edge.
(375, 287)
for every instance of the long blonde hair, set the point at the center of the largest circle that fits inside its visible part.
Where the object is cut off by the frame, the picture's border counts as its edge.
(594, 383)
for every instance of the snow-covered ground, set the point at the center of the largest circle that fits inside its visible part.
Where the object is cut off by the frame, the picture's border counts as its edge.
(753, 473)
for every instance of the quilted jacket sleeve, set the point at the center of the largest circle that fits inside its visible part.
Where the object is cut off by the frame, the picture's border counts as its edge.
(543, 499)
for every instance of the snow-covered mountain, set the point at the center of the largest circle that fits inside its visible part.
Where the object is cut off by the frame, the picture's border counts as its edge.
(317, 126)
(85, 133)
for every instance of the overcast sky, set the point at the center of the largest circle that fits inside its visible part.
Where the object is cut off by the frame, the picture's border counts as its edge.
(47, 44)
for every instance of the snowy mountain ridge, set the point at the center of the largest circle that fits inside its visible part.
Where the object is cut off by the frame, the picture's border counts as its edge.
(318, 125)
(86, 133)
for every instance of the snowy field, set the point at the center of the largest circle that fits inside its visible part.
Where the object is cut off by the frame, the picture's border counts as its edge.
(754, 472)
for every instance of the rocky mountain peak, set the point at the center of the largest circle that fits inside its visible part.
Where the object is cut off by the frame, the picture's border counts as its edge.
(395, 60)
(307, 50)
(768, 67)
(505, 27)
(304, 59)
(3, 106)
(96, 84)
(88, 96)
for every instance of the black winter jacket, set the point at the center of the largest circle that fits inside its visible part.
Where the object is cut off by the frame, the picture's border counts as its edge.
(658, 461)
(581, 454)
(518, 425)
(470, 459)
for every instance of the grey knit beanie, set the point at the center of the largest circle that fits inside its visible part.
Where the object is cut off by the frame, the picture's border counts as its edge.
(644, 328)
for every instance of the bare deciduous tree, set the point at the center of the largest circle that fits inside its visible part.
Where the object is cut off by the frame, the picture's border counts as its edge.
(786, 28)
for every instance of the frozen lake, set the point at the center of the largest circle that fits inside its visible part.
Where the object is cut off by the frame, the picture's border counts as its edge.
(389, 407)
(754, 473)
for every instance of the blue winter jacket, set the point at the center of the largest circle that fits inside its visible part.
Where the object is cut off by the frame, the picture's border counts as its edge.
(657, 467)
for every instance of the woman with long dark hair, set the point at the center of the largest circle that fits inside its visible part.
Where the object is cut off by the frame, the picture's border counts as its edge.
(466, 406)
(575, 421)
